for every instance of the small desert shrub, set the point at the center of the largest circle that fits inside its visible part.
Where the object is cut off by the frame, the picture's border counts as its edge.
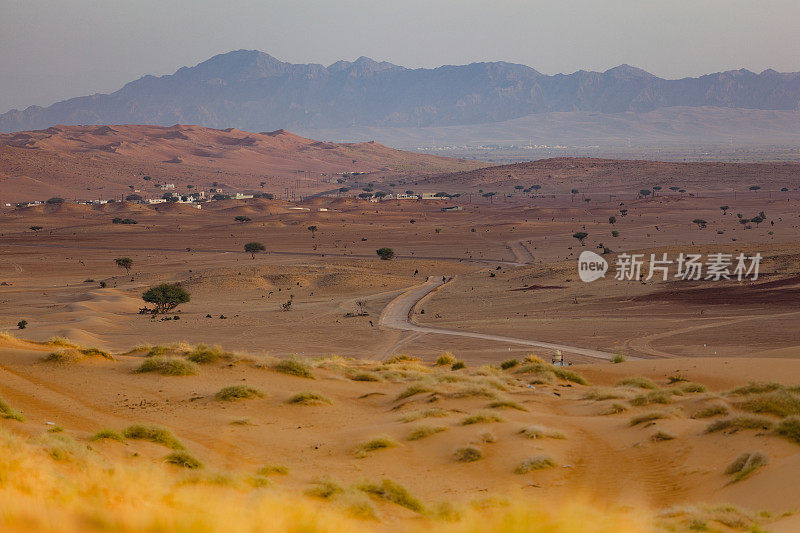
(325, 488)
(618, 358)
(421, 432)
(533, 358)
(269, 470)
(434, 412)
(740, 422)
(183, 459)
(606, 393)
(614, 409)
(648, 417)
(61, 341)
(710, 410)
(756, 388)
(392, 492)
(660, 396)
(168, 366)
(539, 367)
(377, 443)
(778, 402)
(660, 436)
(458, 365)
(8, 412)
(107, 434)
(637, 382)
(309, 398)
(203, 354)
(537, 462)
(294, 367)
(542, 378)
(482, 418)
(467, 454)
(64, 356)
(473, 391)
(401, 359)
(488, 437)
(746, 464)
(154, 434)
(365, 376)
(541, 432)
(56, 429)
(446, 359)
(95, 352)
(789, 428)
(506, 404)
(569, 375)
(238, 392)
(156, 351)
(412, 391)
(689, 388)
(511, 363)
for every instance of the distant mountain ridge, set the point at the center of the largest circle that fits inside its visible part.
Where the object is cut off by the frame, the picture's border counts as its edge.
(254, 91)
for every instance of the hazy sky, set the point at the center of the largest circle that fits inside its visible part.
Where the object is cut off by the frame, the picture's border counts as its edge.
(56, 49)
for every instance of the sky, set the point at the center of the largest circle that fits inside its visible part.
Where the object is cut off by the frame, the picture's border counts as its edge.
(51, 50)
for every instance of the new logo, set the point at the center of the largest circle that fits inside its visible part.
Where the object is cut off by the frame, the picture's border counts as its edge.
(591, 266)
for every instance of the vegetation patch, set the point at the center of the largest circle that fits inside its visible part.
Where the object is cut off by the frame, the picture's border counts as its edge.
(310, 398)
(294, 367)
(746, 464)
(401, 359)
(365, 376)
(711, 410)
(541, 432)
(423, 431)
(377, 443)
(648, 417)
(614, 409)
(637, 382)
(737, 423)
(691, 388)
(537, 462)
(606, 393)
(107, 434)
(789, 428)
(660, 436)
(446, 359)
(434, 412)
(506, 404)
(660, 396)
(778, 402)
(154, 434)
(413, 390)
(468, 454)
(168, 366)
(270, 470)
(238, 392)
(204, 355)
(482, 418)
(8, 412)
(392, 492)
(183, 460)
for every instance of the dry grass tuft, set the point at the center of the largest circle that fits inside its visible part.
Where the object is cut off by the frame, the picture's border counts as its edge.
(482, 418)
(392, 492)
(294, 367)
(690, 388)
(648, 417)
(107, 434)
(238, 392)
(413, 390)
(789, 428)
(737, 423)
(711, 410)
(377, 443)
(269, 470)
(614, 409)
(778, 402)
(468, 454)
(606, 393)
(168, 366)
(446, 359)
(434, 412)
(541, 432)
(365, 376)
(746, 464)
(637, 382)
(8, 412)
(204, 355)
(659, 396)
(310, 398)
(537, 462)
(426, 430)
(154, 434)
(401, 359)
(183, 460)
(506, 404)
(660, 436)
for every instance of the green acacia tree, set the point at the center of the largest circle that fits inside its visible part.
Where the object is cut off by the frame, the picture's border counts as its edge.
(124, 262)
(253, 248)
(166, 296)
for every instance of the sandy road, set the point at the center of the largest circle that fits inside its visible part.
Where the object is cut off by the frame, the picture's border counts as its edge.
(397, 315)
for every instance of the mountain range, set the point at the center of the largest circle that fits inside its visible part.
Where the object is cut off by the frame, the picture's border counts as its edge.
(254, 91)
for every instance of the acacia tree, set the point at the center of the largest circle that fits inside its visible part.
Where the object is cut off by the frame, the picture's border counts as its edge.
(124, 262)
(385, 253)
(242, 219)
(253, 248)
(166, 296)
(724, 209)
(581, 236)
(313, 230)
(700, 223)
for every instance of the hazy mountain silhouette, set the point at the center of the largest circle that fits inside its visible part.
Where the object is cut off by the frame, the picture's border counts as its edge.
(252, 90)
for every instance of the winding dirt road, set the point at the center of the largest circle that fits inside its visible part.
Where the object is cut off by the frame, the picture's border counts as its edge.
(397, 315)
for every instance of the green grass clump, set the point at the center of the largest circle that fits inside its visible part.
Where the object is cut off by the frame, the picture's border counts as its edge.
(648, 417)
(294, 367)
(778, 402)
(614, 409)
(269, 470)
(660, 396)
(446, 359)
(107, 434)
(412, 391)
(154, 434)
(423, 431)
(468, 454)
(458, 365)
(660, 436)
(183, 459)
(541, 432)
(238, 392)
(537, 462)
(711, 410)
(506, 404)
(618, 358)
(637, 382)
(309, 398)
(511, 363)
(569, 375)
(203, 354)
(377, 443)
(156, 350)
(168, 366)
(482, 418)
(736, 423)
(8, 412)
(392, 492)
(746, 464)
(789, 428)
